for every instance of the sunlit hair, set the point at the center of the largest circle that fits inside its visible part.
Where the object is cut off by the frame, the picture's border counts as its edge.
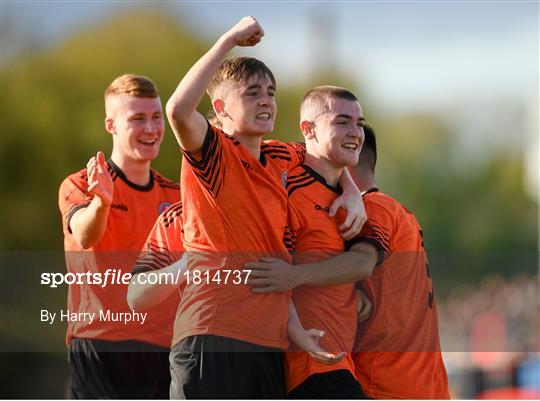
(132, 85)
(317, 99)
(238, 69)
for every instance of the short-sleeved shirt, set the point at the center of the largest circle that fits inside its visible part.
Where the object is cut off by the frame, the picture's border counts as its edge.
(331, 308)
(399, 351)
(132, 214)
(162, 248)
(235, 211)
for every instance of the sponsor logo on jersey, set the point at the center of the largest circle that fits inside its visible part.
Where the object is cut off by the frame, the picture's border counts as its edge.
(284, 178)
(322, 209)
(163, 206)
(119, 206)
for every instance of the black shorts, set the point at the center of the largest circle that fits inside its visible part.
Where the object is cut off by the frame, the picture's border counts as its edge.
(117, 369)
(208, 366)
(337, 384)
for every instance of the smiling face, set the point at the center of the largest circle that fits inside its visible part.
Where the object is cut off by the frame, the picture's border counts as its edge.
(136, 124)
(334, 131)
(247, 107)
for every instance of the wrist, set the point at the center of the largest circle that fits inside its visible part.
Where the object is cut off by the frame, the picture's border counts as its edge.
(101, 204)
(226, 42)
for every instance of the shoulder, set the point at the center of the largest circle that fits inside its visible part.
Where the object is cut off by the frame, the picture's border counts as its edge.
(297, 178)
(171, 214)
(75, 180)
(274, 149)
(164, 182)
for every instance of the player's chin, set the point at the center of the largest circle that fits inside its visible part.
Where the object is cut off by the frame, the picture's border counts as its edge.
(148, 154)
(263, 127)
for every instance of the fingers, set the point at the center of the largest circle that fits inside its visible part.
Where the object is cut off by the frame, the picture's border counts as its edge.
(267, 289)
(327, 358)
(256, 266)
(347, 223)
(334, 208)
(271, 260)
(101, 163)
(258, 282)
(316, 333)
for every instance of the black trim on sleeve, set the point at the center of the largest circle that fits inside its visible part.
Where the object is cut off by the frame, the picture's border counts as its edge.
(371, 190)
(72, 212)
(120, 173)
(381, 252)
(209, 136)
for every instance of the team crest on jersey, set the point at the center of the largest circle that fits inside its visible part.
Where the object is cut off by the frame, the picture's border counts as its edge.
(163, 206)
(284, 178)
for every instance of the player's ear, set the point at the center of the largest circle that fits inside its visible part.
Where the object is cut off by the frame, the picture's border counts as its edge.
(307, 129)
(219, 107)
(109, 125)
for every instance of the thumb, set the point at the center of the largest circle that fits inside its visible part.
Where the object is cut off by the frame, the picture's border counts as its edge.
(333, 208)
(316, 333)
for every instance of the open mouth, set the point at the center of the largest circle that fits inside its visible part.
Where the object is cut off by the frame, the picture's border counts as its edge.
(350, 146)
(263, 116)
(147, 142)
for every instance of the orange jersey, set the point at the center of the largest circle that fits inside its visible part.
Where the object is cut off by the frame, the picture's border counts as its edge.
(235, 211)
(163, 247)
(331, 308)
(133, 211)
(399, 352)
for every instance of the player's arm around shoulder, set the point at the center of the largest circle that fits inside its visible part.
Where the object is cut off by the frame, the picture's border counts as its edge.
(146, 292)
(88, 224)
(189, 126)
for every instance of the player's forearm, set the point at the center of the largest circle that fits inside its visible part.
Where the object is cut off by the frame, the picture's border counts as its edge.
(347, 267)
(347, 184)
(88, 224)
(183, 103)
(143, 295)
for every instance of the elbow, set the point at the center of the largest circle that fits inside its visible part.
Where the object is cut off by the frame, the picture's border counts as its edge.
(175, 113)
(83, 241)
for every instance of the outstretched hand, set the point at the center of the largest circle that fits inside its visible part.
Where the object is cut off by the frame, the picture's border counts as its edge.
(100, 183)
(247, 32)
(308, 340)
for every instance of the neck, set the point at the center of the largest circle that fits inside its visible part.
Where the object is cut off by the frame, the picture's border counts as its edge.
(328, 171)
(138, 172)
(363, 177)
(251, 142)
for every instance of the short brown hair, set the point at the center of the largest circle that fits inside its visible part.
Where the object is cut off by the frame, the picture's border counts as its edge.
(238, 69)
(320, 95)
(132, 85)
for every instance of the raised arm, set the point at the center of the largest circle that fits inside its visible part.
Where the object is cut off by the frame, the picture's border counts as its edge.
(88, 224)
(189, 126)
